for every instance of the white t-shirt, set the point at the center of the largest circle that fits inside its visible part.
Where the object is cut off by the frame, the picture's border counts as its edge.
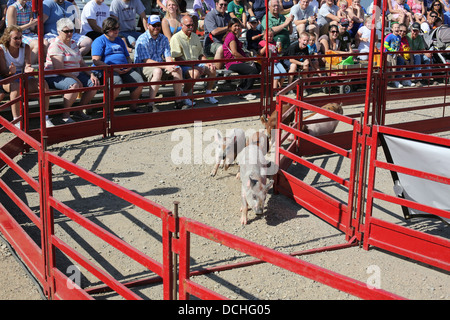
(364, 45)
(93, 11)
(323, 12)
(126, 13)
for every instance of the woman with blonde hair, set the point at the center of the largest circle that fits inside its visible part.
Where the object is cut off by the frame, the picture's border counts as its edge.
(171, 23)
(15, 57)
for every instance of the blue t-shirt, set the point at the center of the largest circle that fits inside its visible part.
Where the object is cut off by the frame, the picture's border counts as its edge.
(392, 42)
(111, 52)
(55, 11)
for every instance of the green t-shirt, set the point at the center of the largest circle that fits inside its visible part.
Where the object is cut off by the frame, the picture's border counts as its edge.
(283, 35)
(237, 9)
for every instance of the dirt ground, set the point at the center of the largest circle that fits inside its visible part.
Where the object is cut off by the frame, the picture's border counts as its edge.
(143, 161)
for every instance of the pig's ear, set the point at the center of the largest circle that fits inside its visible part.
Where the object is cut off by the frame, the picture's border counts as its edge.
(268, 185)
(217, 136)
(251, 182)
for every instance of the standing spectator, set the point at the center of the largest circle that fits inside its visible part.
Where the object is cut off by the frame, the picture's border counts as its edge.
(92, 17)
(15, 58)
(304, 18)
(110, 49)
(185, 45)
(63, 53)
(216, 24)
(362, 39)
(53, 11)
(281, 26)
(327, 16)
(20, 14)
(171, 22)
(125, 11)
(153, 46)
(417, 43)
(232, 49)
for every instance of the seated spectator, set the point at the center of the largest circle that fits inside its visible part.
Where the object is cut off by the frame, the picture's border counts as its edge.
(20, 14)
(418, 10)
(53, 11)
(125, 11)
(63, 53)
(238, 9)
(345, 40)
(312, 50)
(277, 65)
(110, 49)
(171, 22)
(232, 49)
(305, 18)
(392, 44)
(257, 8)
(201, 9)
(430, 24)
(356, 16)
(152, 46)
(362, 39)
(437, 7)
(14, 59)
(281, 26)
(287, 5)
(330, 42)
(216, 24)
(342, 13)
(185, 45)
(253, 36)
(327, 16)
(92, 17)
(400, 13)
(298, 49)
(404, 47)
(417, 43)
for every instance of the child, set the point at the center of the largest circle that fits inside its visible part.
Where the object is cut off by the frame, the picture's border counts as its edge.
(253, 35)
(417, 10)
(362, 39)
(400, 13)
(278, 66)
(298, 49)
(342, 12)
(238, 9)
(312, 49)
(404, 46)
(356, 16)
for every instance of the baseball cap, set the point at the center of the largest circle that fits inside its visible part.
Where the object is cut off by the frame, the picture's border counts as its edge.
(415, 26)
(154, 18)
(253, 19)
(343, 22)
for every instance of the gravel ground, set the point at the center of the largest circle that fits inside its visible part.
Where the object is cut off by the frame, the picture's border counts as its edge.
(150, 171)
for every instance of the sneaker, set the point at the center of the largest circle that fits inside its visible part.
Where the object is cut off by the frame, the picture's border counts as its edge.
(418, 84)
(81, 115)
(407, 83)
(178, 104)
(189, 102)
(248, 96)
(68, 120)
(398, 85)
(49, 123)
(152, 108)
(185, 106)
(17, 125)
(211, 100)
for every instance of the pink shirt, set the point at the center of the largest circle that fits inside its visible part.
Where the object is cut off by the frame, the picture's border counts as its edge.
(71, 55)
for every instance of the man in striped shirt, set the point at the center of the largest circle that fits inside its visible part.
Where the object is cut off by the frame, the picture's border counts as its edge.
(153, 47)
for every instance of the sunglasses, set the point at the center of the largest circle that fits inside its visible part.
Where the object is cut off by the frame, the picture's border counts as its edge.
(67, 31)
(433, 16)
(404, 31)
(222, 4)
(156, 25)
(334, 31)
(17, 38)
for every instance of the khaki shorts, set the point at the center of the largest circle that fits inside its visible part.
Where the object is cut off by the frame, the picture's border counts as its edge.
(147, 72)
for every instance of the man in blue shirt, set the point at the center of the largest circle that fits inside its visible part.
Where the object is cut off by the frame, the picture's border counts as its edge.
(151, 47)
(57, 9)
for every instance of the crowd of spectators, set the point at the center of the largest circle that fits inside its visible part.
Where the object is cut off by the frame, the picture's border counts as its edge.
(151, 31)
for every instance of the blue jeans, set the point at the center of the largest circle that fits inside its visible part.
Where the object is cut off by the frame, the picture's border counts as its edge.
(421, 59)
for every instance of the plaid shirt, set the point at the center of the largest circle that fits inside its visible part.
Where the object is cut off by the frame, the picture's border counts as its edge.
(148, 48)
(24, 14)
